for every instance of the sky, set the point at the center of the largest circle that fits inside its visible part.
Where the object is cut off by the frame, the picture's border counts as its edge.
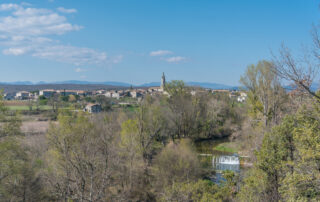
(135, 41)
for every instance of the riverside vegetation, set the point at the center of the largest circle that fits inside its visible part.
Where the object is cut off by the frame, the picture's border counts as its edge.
(148, 154)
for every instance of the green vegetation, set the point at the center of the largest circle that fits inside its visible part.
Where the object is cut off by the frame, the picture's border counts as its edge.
(225, 148)
(145, 151)
(26, 107)
(139, 152)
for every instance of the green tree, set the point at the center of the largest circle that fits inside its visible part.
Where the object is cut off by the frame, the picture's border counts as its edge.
(201, 190)
(274, 161)
(177, 162)
(182, 110)
(265, 94)
(19, 179)
(302, 183)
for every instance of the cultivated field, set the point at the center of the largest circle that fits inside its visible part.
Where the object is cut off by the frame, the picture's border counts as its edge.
(22, 105)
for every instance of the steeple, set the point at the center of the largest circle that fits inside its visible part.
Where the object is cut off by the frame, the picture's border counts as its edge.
(163, 81)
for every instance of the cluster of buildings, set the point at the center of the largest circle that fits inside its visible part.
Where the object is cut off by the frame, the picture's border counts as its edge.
(236, 95)
(117, 94)
(47, 93)
(25, 95)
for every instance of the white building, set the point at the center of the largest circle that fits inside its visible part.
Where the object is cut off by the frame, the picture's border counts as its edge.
(242, 97)
(47, 92)
(135, 94)
(22, 95)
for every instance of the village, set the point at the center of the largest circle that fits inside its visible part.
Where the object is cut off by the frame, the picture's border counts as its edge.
(123, 97)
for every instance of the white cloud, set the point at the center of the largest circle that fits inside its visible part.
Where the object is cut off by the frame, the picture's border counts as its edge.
(15, 51)
(117, 59)
(175, 59)
(160, 53)
(80, 70)
(65, 10)
(28, 30)
(6, 7)
(36, 23)
(71, 54)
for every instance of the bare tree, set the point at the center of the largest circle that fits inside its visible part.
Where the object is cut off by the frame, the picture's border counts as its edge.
(301, 71)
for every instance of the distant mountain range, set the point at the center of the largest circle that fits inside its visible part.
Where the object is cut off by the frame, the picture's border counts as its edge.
(121, 84)
(314, 87)
(75, 84)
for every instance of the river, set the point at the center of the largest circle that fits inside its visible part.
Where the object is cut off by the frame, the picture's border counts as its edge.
(217, 160)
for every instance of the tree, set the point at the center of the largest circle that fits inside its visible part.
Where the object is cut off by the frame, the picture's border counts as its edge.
(177, 162)
(54, 102)
(182, 107)
(30, 104)
(201, 190)
(104, 102)
(274, 160)
(64, 98)
(80, 158)
(302, 183)
(301, 71)
(151, 125)
(266, 96)
(42, 100)
(73, 98)
(19, 179)
(11, 123)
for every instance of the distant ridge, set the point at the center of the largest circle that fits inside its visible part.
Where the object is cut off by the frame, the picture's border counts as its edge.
(120, 84)
(209, 85)
(212, 85)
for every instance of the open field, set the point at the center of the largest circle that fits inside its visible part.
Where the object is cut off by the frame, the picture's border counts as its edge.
(25, 107)
(231, 147)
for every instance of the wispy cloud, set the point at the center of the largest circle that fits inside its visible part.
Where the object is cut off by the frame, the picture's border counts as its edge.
(71, 54)
(65, 10)
(175, 59)
(80, 70)
(28, 30)
(160, 53)
(15, 51)
(164, 55)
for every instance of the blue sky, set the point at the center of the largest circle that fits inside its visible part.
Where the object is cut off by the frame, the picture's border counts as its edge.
(135, 41)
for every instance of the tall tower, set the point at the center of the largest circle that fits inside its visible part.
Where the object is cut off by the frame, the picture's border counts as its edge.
(163, 81)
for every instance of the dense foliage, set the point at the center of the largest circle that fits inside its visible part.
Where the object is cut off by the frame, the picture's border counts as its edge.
(148, 154)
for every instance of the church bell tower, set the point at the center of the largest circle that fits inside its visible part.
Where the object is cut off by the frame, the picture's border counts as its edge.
(163, 81)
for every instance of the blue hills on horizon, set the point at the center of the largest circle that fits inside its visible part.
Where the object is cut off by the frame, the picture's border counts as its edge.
(121, 84)
(209, 85)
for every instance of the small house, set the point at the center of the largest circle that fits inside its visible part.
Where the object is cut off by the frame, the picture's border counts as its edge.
(93, 108)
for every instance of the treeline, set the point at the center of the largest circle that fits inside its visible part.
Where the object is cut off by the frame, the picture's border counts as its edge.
(144, 155)
(284, 129)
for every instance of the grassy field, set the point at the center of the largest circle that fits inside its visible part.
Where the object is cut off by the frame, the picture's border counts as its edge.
(227, 147)
(26, 107)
